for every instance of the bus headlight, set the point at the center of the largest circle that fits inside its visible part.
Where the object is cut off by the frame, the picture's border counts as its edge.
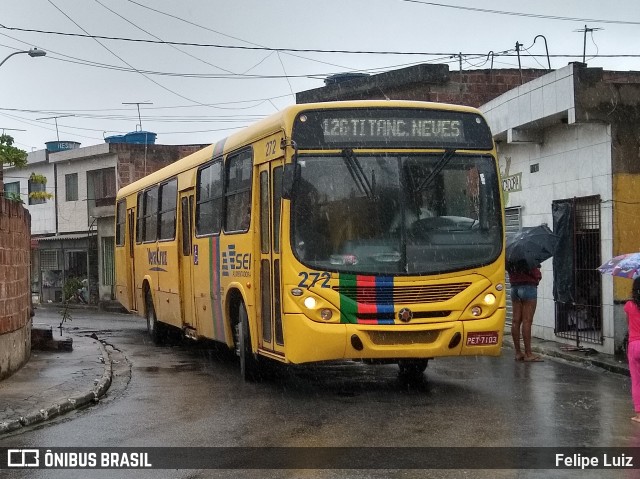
(489, 299)
(310, 302)
(476, 311)
(326, 314)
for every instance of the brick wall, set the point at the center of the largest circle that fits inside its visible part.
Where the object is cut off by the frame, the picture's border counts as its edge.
(15, 286)
(426, 83)
(137, 161)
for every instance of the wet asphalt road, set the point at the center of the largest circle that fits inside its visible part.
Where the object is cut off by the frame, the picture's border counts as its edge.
(192, 395)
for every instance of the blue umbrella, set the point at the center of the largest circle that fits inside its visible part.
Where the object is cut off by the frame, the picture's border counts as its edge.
(530, 246)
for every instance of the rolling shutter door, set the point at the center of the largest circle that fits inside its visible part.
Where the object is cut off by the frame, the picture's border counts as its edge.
(513, 222)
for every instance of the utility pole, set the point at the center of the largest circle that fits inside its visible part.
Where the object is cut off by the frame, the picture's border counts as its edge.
(56, 120)
(138, 103)
(584, 43)
(518, 45)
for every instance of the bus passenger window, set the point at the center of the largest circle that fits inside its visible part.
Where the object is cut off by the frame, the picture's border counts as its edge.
(150, 216)
(209, 199)
(121, 218)
(139, 217)
(238, 192)
(167, 214)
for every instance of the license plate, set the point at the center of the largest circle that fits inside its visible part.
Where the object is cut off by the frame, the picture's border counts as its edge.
(482, 338)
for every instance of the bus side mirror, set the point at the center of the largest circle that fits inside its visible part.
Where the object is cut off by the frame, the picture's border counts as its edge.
(288, 178)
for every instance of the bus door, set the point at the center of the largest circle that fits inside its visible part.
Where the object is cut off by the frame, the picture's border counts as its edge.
(130, 261)
(187, 259)
(270, 321)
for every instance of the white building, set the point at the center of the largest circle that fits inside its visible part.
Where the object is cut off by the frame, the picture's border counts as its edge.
(568, 157)
(73, 233)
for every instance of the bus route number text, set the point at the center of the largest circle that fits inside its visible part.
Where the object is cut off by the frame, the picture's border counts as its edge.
(309, 280)
(270, 148)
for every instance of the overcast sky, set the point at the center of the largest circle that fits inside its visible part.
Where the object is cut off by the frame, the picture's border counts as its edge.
(203, 89)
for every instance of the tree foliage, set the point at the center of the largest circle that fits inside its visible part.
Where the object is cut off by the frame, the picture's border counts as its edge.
(9, 154)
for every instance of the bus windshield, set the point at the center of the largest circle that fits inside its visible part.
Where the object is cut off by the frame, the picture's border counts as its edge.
(396, 213)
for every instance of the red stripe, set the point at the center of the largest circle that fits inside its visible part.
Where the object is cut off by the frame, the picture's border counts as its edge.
(365, 281)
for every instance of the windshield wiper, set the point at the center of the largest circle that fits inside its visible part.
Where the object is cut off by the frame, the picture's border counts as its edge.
(356, 172)
(442, 162)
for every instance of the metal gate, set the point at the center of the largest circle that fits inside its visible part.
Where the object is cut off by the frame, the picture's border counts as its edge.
(577, 283)
(513, 223)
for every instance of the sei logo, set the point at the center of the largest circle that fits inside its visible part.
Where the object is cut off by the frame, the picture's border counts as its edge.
(235, 263)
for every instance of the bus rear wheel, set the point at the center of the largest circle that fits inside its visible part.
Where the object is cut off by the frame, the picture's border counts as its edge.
(153, 326)
(249, 364)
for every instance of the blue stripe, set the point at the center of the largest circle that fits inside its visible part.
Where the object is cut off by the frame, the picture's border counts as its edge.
(382, 283)
(386, 321)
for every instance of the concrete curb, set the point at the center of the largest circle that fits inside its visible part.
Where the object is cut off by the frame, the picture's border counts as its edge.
(72, 403)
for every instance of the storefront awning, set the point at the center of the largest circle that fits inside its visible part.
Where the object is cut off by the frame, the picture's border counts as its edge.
(71, 236)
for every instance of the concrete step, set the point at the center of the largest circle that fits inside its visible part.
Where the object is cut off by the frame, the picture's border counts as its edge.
(42, 339)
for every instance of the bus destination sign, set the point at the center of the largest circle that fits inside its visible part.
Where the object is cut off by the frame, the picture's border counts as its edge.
(391, 128)
(341, 128)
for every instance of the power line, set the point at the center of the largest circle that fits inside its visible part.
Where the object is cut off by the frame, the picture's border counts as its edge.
(521, 14)
(230, 36)
(285, 50)
(122, 59)
(213, 45)
(158, 38)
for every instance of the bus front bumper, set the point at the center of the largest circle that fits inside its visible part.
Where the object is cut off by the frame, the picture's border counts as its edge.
(310, 341)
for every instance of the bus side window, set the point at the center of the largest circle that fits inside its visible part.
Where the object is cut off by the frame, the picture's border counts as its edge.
(167, 211)
(121, 218)
(209, 199)
(238, 192)
(139, 217)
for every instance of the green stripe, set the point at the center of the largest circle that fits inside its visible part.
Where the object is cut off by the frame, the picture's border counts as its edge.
(348, 306)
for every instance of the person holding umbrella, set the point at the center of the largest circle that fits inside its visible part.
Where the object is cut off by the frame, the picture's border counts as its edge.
(524, 298)
(632, 310)
(525, 250)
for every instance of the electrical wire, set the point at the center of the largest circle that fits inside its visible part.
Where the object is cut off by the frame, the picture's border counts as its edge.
(521, 14)
(123, 60)
(160, 39)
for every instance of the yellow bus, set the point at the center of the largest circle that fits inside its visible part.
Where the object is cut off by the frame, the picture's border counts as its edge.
(361, 230)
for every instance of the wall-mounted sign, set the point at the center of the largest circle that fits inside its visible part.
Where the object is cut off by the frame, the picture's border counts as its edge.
(512, 183)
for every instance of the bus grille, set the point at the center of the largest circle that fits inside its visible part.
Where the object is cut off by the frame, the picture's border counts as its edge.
(402, 294)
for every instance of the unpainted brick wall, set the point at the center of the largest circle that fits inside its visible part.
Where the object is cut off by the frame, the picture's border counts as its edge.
(15, 284)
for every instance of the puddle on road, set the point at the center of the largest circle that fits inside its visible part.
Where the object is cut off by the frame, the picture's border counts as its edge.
(173, 368)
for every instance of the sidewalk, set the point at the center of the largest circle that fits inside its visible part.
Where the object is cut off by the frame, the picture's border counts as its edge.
(584, 355)
(52, 383)
(56, 382)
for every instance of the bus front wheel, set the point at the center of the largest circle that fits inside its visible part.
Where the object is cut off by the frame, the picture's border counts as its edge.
(249, 366)
(153, 326)
(412, 368)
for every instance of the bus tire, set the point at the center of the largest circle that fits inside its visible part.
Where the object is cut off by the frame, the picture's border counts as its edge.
(249, 364)
(153, 325)
(412, 368)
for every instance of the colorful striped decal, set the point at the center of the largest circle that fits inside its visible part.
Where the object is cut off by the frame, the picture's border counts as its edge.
(214, 284)
(354, 310)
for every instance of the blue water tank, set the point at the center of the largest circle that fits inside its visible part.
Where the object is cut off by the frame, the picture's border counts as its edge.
(134, 138)
(54, 146)
(114, 139)
(140, 137)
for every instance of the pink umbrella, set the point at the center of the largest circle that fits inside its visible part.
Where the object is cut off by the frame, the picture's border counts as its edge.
(624, 266)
